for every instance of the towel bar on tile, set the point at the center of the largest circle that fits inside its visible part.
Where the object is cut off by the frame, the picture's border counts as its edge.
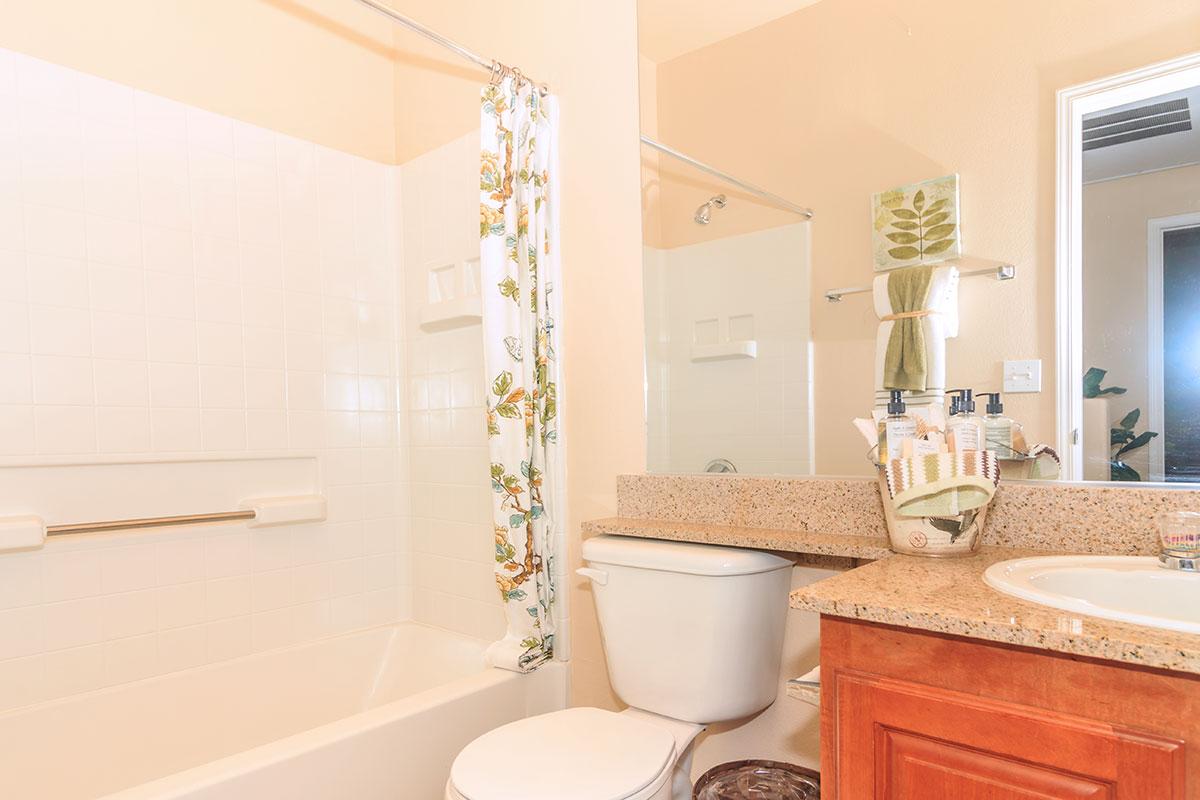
(259, 512)
(30, 531)
(149, 522)
(1001, 272)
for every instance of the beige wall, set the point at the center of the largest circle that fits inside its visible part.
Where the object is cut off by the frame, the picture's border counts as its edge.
(845, 98)
(321, 70)
(1115, 330)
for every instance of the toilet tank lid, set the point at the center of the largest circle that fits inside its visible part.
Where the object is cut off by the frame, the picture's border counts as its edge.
(684, 557)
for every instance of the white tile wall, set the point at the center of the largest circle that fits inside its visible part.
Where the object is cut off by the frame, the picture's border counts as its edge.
(755, 413)
(453, 543)
(177, 282)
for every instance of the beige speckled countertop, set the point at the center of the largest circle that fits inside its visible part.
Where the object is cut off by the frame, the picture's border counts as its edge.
(949, 596)
(794, 541)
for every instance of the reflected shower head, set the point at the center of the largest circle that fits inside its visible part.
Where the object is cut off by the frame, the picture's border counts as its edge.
(704, 212)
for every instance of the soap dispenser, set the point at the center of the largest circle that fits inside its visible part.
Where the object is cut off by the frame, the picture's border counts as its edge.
(965, 429)
(997, 428)
(1003, 435)
(895, 429)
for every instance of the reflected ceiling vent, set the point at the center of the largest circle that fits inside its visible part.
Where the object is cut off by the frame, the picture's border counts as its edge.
(1156, 119)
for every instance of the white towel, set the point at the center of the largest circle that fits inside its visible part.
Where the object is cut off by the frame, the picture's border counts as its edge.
(940, 326)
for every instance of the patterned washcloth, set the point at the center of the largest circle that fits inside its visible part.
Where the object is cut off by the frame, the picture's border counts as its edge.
(944, 484)
(1046, 463)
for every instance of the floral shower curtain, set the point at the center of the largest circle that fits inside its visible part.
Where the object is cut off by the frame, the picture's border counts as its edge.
(518, 233)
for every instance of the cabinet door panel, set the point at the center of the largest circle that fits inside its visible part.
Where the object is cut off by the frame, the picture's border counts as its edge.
(898, 740)
(918, 767)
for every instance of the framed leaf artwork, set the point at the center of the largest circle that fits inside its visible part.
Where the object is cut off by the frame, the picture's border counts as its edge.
(916, 224)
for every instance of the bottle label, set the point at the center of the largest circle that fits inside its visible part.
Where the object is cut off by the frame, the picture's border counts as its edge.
(999, 437)
(924, 447)
(966, 436)
(897, 431)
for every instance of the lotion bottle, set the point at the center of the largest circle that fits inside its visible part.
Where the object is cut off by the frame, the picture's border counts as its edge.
(997, 427)
(1003, 435)
(965, 429)
(896, 428)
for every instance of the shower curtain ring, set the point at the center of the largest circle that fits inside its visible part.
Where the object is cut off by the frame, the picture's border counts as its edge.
(497, 73)
(518, 78)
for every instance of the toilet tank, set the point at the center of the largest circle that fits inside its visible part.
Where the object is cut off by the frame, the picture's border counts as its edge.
(690, 631)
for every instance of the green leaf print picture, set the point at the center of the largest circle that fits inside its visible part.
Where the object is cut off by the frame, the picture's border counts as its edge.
(916, 224)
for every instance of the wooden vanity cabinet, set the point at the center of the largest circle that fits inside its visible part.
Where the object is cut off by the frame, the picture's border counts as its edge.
(910, 715)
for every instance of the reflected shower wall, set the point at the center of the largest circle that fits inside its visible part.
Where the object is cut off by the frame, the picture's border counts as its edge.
(728, 341)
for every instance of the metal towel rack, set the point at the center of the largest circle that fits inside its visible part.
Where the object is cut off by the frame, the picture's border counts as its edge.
(29, 531)
(1001, 272)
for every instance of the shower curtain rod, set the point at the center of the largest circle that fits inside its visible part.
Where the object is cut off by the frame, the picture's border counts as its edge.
(807, 213)
(496, 67)
(493, 66)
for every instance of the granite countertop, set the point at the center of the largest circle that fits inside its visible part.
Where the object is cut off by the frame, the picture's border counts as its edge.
(931, 594)
(949, 596)
(794, 541)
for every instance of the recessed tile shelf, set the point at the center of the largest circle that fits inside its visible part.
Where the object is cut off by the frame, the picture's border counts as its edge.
(453, 296)
(725, 351)
(448, 314)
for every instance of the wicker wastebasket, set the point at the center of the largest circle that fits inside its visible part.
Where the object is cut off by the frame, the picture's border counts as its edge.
(758, 780)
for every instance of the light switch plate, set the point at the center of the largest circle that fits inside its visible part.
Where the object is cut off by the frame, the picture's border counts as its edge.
(1022, 376)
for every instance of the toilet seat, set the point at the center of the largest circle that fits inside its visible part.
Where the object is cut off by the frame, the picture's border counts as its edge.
(578, 753)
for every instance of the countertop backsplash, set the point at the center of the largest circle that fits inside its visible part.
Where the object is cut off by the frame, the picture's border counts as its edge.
(1086, 518)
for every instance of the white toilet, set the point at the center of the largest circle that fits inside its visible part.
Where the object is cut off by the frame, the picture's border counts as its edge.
(693, 634)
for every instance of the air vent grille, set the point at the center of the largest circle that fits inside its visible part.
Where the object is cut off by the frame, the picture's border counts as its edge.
(1156, 119)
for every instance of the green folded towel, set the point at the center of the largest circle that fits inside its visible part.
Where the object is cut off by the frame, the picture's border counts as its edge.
(905, 364)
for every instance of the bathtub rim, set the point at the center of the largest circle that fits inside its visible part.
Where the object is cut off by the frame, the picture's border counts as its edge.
(213, 773)
(224, 768)
(218, 771)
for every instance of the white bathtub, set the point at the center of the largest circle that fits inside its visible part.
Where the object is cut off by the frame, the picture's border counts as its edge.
(370, 715)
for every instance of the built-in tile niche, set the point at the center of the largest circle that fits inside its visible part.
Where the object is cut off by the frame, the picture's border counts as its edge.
(724, 338)
(453, 299)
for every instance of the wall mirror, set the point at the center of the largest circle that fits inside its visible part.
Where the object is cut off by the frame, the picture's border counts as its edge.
(763, 325)
(1129, 272)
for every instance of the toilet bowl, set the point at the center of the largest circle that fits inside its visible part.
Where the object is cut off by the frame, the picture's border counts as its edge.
(693, 635)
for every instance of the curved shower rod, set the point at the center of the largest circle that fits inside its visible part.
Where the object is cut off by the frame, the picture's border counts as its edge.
(807, 213)
(496, 68)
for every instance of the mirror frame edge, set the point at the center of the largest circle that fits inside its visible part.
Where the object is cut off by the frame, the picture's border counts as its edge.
(1072, 103)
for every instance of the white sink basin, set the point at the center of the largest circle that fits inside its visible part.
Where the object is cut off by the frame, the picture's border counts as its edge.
(1126, 588)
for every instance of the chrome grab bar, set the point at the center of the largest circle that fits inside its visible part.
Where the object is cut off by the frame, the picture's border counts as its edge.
(149, 522)
(29, 531)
